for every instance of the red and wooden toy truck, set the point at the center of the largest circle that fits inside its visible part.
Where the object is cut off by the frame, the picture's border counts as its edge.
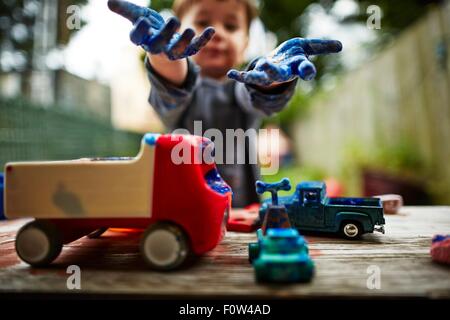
(183, 207)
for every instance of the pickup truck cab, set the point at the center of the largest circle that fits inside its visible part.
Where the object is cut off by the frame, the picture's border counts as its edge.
(310, 209)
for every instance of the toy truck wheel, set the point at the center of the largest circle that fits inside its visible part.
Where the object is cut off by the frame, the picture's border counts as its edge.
(97, 233)
(253, 251)
(38, 243)
(165, 246)
(351, 230)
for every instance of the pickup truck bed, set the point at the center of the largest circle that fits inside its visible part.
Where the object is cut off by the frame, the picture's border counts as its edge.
(365, 202)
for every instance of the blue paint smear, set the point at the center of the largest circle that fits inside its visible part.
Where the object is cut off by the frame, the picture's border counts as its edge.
(439, 238)
(215, 182)
(151, 138)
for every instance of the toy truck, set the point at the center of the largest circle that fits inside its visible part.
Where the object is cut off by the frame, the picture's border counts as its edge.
(281, 254)
(183, 206)
(310, 209)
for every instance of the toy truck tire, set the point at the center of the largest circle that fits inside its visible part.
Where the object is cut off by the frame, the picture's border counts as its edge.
(38, 243)
(351, 230)
(97, 233)
(165, 246)
(253, 251)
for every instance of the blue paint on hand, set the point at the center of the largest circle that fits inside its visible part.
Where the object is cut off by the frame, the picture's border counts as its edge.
(156, 36)
(287, 62)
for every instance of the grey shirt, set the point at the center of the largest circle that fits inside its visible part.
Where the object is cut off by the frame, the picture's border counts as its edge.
(220, 105)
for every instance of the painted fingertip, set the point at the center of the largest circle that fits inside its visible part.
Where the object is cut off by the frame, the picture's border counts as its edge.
(173, 23)
(140, 31)
(335, 46)
(234, 74)
(128, 10)
(307, 70)
(188, 33)
(208, 33)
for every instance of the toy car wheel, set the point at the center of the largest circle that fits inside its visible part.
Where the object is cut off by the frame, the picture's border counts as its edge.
(351, 230)
(38, 243)
(97, 233)
(253, 251)
(165, 246)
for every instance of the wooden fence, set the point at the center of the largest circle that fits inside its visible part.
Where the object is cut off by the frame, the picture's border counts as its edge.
(402, 94)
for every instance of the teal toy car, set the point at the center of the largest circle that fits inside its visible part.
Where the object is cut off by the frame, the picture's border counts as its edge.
(281, 255)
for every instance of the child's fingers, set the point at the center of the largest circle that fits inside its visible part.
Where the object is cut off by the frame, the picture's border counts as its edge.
(200, 41)
(254, 77)
(133, 12)
(158, 43)
(236, 75)
(307, 70)
(140, 32)
(318, 46)
(278, 73)
(177, 47)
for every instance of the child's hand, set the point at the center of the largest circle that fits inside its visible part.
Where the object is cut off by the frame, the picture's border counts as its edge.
(156, 36)
(287, 62)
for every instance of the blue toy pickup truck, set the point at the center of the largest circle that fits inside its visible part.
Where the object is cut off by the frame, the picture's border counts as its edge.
(309, 209)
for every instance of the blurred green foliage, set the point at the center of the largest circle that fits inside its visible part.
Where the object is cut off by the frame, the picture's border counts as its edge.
(282, 16)
(29, 131)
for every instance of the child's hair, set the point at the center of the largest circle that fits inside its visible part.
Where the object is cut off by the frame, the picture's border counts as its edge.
(180, 6)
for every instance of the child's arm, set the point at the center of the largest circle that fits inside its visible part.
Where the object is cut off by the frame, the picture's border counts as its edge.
(174, 72)
(168, 100)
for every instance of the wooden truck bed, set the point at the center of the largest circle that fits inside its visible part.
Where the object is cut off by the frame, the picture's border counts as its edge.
(81, 188)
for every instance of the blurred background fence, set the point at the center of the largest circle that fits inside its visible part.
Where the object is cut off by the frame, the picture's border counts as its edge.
(391, 116)
(35, 132)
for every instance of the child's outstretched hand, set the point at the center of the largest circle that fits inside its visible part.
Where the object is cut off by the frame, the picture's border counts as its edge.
(156, 36)
(287, 62)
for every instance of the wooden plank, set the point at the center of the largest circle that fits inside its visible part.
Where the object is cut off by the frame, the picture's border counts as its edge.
(112, 265)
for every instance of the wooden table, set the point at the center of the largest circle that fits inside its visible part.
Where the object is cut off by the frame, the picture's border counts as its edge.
(112, 265)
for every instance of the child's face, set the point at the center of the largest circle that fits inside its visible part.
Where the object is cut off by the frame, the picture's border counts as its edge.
(226, 48)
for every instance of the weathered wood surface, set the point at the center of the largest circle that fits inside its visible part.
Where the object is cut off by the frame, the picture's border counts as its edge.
(112, 265)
